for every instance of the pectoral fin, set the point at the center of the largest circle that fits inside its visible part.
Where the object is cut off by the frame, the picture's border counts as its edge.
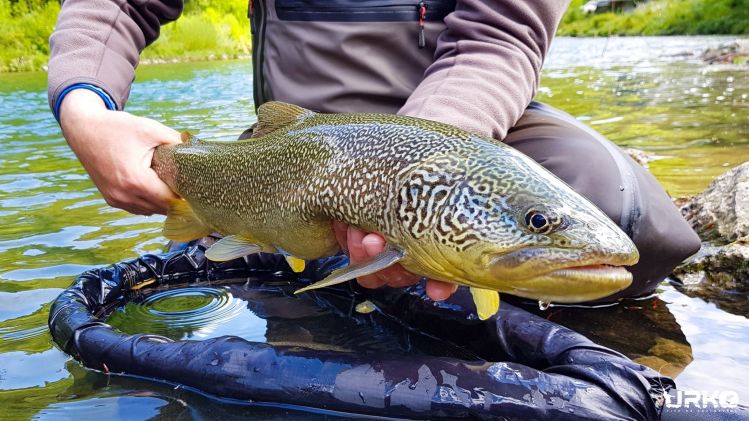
(182, 224)
(232, 247)
(296, 264)
(388, 257)
(487, 302)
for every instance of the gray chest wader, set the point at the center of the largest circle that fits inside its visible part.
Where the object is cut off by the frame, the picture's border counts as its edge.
(369, 55)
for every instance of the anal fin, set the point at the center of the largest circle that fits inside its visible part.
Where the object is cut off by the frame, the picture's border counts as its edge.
(182, 224)
(387, 258)
(232, 247)
(487, 302)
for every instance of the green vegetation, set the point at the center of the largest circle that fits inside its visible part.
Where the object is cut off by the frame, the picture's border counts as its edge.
(207, 28)
(661, 17)
(26, 25)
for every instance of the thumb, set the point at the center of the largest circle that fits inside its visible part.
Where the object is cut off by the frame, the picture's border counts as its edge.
(159, 134)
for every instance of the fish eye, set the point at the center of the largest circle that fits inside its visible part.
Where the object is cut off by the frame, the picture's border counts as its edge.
(540, 222)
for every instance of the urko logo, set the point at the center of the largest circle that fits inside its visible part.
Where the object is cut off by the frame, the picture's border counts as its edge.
(699, 399)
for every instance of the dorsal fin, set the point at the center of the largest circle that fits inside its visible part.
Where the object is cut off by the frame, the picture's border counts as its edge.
(273, 115)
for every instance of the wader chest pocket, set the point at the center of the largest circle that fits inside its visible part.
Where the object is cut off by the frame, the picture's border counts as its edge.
(363, 10)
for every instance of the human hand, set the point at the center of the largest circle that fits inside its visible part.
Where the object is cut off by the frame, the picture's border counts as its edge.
(361, 245)
(116, 149)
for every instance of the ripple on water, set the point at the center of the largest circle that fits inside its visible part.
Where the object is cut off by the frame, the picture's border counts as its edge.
(48, 272)
(17, 333)
(197, 312)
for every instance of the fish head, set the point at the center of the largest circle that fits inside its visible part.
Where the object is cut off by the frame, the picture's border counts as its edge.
(509, 225)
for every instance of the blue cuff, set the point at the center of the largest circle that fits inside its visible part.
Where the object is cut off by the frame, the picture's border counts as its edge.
(93, 88)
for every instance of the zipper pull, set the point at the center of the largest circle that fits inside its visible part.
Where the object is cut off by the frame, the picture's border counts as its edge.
(422, 20)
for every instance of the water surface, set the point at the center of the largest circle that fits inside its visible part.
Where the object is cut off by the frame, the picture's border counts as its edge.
(649, 93)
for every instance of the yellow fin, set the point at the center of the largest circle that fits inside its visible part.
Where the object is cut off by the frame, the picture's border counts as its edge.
(232, 247)
(365, 307)
(273, 115)
(487, 302)
(297, 265)
(182, 224)
(387, 258)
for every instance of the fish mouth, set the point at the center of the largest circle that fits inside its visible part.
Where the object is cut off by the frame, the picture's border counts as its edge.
(575, 284)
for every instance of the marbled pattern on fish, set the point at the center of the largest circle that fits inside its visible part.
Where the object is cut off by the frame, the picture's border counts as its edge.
(460, 208)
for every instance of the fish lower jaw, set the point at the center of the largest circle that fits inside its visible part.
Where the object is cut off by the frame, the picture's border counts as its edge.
(594, 272)
(576, 284)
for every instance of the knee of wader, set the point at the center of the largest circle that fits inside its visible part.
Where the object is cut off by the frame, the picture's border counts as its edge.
(662, 236)
(603, 173)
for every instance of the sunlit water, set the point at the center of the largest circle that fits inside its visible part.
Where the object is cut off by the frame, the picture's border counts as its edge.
(647, 93)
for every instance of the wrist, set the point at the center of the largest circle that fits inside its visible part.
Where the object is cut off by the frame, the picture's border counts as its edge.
(77, 106)
(79, 91)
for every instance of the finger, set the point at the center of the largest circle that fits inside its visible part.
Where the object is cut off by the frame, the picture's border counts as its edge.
(395, 276)
(398, 277)
(145, 205)
(160, 134)
(370, 281)
(340, 229)
(373, 244)
(356, 251)
(438, 290)
(155, 193)
(137, 206)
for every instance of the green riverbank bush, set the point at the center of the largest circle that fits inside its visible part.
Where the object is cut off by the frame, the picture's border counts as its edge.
(661, 17)
(207, 28)
(26, 26)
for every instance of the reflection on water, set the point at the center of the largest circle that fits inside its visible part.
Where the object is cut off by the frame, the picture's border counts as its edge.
(644, 330)
(720, 344)
(648, 93)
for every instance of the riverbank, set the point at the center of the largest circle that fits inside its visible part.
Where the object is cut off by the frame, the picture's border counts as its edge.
(661, 17)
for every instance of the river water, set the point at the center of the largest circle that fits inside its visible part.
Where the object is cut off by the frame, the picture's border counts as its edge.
(653, 94)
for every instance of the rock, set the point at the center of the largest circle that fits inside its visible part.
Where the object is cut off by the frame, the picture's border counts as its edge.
(735, 52)
(719, 272)
(726, 267)
(721, 213)
(667, 356)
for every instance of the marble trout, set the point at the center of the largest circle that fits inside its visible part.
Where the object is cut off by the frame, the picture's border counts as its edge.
(451, 205)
